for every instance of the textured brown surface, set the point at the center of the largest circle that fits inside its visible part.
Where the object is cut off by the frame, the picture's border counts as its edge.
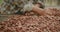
(20, 23)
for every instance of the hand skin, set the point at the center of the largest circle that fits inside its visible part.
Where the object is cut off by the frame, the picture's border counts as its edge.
(37, 5)
(41, 11)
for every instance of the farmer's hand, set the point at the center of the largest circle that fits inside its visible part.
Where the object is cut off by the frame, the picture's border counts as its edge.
(37, 5)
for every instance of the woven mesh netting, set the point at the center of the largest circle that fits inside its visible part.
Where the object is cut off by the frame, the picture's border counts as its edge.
(31, 23)
(12, 6)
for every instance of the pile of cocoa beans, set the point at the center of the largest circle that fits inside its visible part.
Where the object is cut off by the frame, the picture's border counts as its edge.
(25, 23)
